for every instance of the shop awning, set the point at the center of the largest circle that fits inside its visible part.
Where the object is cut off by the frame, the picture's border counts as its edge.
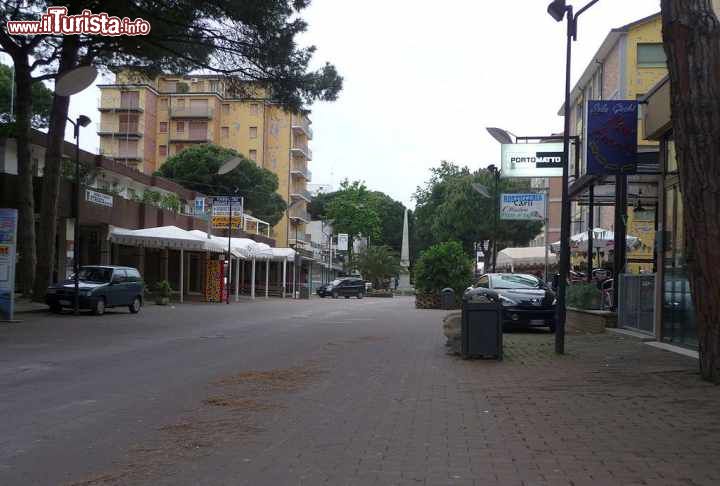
(602, 239)
(239, 247)
(276, 254)
(534, 255)
(170, 237)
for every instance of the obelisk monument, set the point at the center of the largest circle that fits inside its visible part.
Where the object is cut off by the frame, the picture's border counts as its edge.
(404, 279)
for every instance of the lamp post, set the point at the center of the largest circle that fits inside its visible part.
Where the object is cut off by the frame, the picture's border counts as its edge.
(227, 167)
(68, 84)
(559, 10)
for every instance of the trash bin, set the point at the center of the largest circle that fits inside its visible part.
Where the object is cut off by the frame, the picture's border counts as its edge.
(481, 324)
(447, 298)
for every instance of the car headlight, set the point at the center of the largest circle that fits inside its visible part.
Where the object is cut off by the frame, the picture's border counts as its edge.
(506, 302)
(85, 293)
(554, 301)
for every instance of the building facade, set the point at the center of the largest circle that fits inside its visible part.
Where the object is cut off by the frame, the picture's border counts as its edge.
(628, 63)
(145, 121)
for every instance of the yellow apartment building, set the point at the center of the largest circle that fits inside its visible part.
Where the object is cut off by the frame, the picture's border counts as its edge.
(144, 121)
(628, 63)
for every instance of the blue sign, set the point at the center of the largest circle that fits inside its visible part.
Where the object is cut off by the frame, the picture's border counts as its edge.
(612, 132)
(8, 242)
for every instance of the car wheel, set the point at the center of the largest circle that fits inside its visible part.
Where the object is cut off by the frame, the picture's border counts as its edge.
(99, 307)
(347, 296)
(360, 295)
(335, 295)
(56, 309)
(135, 306)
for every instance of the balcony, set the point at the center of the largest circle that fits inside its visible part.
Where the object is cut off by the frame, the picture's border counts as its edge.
(123, 130)
(301, 123)
(303, 151)
(189, 137)
(120, 106)
(201, 112)
(299, 215)
(125, 157)
(299, 170)
(303, 194)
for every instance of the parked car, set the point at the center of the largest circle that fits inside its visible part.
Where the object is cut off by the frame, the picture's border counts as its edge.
(100, 287)
(526, 300)
(343, 287)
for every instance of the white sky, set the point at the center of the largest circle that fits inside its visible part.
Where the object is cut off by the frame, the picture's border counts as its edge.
(424, 78)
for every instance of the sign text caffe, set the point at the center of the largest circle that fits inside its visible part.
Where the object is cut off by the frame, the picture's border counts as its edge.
(532, 160)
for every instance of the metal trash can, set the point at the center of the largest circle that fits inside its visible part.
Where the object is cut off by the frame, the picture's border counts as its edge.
(447, 298)
(482, 334)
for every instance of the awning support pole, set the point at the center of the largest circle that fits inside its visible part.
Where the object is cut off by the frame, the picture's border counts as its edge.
(182, 274)
(284, 276)
(252, 283)
(267, 277)
(237, 279)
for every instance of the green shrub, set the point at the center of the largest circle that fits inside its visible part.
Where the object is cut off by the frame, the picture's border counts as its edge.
(583, 296)
(163, 289)
(443, 265)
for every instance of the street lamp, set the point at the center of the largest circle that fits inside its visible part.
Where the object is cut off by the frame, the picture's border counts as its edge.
(502, 136)
(559, 10)
(68, 84)
(227, 167)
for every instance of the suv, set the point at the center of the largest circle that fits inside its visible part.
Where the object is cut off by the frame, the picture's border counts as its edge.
(100, 287)
(346, 287)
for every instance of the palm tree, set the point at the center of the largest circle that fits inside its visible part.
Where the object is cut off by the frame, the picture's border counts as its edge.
(378, 264)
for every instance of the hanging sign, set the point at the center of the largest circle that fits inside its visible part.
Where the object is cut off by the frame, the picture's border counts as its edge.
(98, 198)
(532, 160)
(8, 242)
(612, 137)
(522, 207)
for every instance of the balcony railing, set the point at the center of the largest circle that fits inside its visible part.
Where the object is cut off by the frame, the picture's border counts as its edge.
(190, 137)
(302, 151)
(302, 124)
(301, 171)
(301, 194)
(300, 214)
(129, 130)
(118, 105)
(191, 112)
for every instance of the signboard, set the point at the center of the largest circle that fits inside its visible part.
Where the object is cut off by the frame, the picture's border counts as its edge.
(200, 206)
(98, 198)
(612, 127)
(522, 207)
(532, 160)
(8, 242)
(342, 242)
(221, 210)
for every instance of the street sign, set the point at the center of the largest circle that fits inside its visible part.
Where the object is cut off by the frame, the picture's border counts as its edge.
(98, 198)
(342, 242)
(200, 206)
(222, 221)
(612, 137)
(522, 207)
(532, 160)
(8, 242)
(221, 210)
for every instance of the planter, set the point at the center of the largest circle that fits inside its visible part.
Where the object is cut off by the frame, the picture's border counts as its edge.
(427, 300)
(380, 293)
(162, 300)
(583, 321)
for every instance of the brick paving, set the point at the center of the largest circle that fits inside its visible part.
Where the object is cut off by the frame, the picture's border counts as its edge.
(370, 397)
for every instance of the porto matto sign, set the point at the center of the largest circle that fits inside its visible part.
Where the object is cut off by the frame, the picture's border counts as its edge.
(532, 160)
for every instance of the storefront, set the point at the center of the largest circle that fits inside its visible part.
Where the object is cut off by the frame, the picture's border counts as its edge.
(675, 321)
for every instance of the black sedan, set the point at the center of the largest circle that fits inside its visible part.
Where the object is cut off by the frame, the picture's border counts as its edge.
(526, 300)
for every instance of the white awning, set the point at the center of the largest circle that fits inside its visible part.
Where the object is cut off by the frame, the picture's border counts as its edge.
(170, 237)
(534, 255)
(239, 247)
(602, 238)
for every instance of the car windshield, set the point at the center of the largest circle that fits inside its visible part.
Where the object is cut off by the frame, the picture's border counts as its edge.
(95, 274)
(515, 282)
(336, 282)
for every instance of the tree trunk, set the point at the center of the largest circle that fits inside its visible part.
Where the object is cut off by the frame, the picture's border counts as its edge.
(691, 33)
(26, 202)
(53, 175)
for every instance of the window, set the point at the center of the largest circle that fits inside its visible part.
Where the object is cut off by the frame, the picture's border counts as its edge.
(133, 275)
(163, 150)
(226, 108)
(651, 55)
(171, 86)
(119, 276)
(214, 85)
(224, 132)
(253, 132)
(180, 103)
(198, 130)
(163, 127)
(127, 148)
(163, 103)
(484, 281)
(254, 109)
(180, 127)
(128, 123)
(130, 99)
(253, 155)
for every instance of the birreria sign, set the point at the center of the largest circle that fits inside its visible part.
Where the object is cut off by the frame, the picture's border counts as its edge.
(532, 160)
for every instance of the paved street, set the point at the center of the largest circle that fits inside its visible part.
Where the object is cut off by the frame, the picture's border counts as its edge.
(339, 392)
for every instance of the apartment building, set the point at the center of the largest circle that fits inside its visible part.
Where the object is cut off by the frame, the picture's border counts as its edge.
(144, 121)
(628, 63)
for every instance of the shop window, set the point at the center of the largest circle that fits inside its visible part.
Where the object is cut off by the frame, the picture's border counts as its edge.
(651, 55)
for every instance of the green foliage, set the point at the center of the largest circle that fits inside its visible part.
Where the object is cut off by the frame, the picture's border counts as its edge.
(151, 198)
(443, 265)
(163, 289)
(352, 212)
(182, 87)
(583, 296)
(87, 172)
(378, 264)
(448, 208)
(41, 99)
(196, 168)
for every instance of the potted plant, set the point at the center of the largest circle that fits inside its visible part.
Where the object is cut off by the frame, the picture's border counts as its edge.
(162, 292)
